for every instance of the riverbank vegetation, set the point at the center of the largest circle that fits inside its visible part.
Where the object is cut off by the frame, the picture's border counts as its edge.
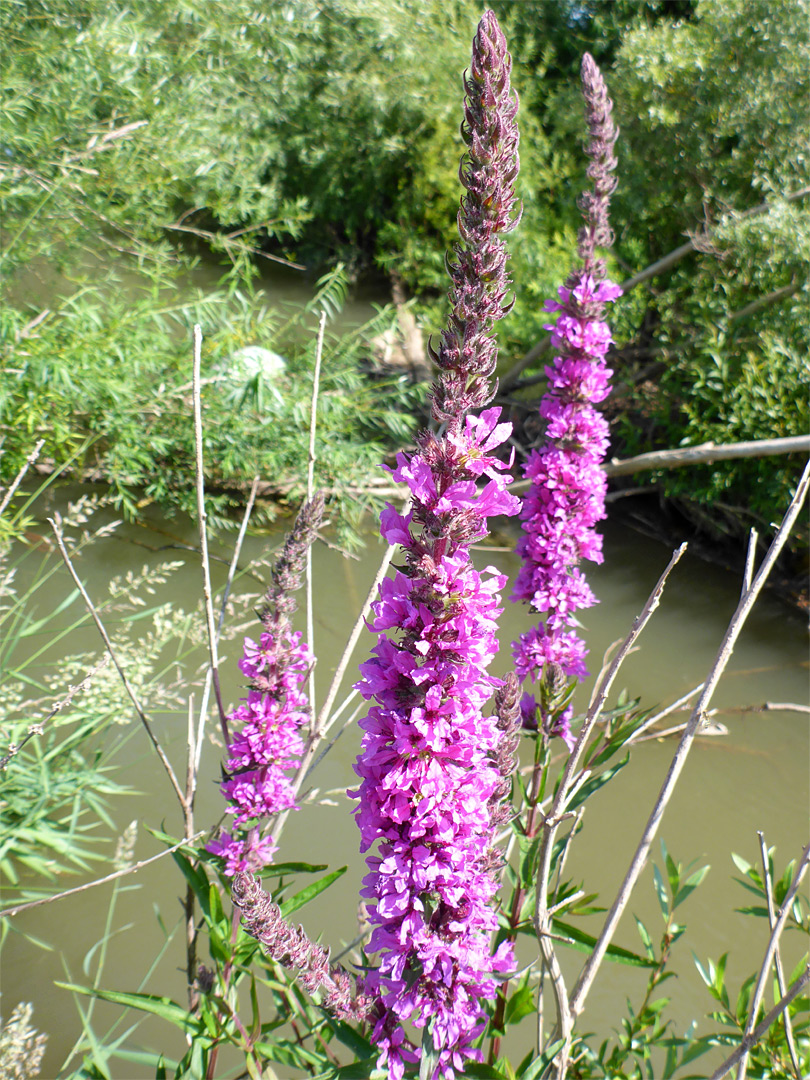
(324, 133)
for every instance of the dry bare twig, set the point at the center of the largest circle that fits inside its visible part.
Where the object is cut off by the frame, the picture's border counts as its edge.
(313, 422)
(591, 966)
(18, 479)
(201, 521)
(771, 953)
(9, 912)
(780, 972)
(568, 784)
(762, 1027)
(113, 656)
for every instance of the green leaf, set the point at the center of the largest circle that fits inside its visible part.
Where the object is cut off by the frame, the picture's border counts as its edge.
(595, 783)
(689, 886)
(742, 865)
(646, 940)
(429, 1059)
(661, 892)
(357, 1070)
(163, 1007)
(279, 869)
(345, 1033)
(310, 892)
(486, 1072)
(538, 1066)
(583, 942)
(520, 1004)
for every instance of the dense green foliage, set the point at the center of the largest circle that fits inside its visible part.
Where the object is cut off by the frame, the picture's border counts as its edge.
(328, 129)
(107, 383)
(715, 124)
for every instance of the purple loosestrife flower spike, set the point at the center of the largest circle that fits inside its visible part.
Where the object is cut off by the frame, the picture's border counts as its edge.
(431, 763)
(266, 744)
(467, 354)
(290, 946)
(567, 494)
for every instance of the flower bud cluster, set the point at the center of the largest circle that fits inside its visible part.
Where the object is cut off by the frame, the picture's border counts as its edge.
(467, 353)
(566, 498)
(267, 743)
(290, 946)
(431, 764)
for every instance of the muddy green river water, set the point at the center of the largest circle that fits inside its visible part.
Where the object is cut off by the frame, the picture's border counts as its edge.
(753, 778)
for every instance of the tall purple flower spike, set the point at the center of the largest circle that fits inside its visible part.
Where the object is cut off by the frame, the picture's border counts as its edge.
(267, 743)
(567, 494)
(431, 763)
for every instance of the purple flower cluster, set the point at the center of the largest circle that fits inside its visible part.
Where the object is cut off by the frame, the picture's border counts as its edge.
(428, 763)
(264, 748)
(566, 498)
(267, 743)
(432, 764)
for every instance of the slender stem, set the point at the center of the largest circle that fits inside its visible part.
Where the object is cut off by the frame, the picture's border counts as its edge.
(127, 685)
(750, 559)
(591, 966)
(346, 723)
(15, 483)
(8, 912)
(751, 1040)
(648, 723)
(188, 907)
(225, 597)
(780, 971)
(770, 953)
(39, 727)
(201, 521)
(519, 894)
(313, 420)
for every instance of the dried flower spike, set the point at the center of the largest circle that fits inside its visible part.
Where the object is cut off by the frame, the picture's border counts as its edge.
(290, 946)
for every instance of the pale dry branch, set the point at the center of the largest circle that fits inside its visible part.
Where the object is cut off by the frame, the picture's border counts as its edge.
(311, 458)
(707, 453)
(591, 966)
(567, 786)
(222, 608)
(18, 479)
(751, 1040)
(201, 522)
(334, 686)
(770, 954)
(780, 972)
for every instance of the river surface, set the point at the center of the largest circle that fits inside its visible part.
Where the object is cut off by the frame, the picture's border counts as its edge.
(754, 778)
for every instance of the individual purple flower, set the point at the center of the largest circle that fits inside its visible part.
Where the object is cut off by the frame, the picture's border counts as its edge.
(266, 743)
(431, 766)
(566, 498)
